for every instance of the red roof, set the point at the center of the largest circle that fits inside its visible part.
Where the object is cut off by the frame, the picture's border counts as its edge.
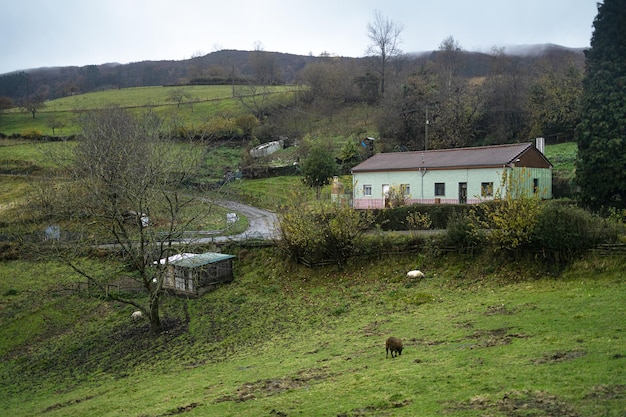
(522, 154)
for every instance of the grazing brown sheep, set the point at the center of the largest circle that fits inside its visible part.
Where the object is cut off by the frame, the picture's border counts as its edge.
(394, 345)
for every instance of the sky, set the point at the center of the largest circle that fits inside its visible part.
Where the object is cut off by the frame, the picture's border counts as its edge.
(51, 33)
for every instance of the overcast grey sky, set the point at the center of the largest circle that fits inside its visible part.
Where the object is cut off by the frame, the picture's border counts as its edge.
(38, 33)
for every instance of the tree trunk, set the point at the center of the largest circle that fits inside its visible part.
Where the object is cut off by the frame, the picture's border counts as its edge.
(155, 320)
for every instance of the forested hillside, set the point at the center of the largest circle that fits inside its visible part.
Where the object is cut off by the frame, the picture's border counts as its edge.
(446, 98)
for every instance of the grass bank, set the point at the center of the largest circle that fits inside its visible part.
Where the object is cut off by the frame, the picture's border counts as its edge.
(480, 339)
(202, 103)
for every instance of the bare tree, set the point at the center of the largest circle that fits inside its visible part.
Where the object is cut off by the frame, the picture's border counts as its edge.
(448, 59)
(384, 35)
(54, 122)
(124, 190)
(178, 95)
(34, 103)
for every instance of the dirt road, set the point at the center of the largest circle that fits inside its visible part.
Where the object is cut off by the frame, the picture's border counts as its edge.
(261, 223)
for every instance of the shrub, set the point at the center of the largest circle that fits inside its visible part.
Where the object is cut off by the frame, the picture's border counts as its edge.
(327, 232)
(462, 234)
(396, 218)
(31, 134)
(564, 232)
(397, 196)
(512, 215)
(418, 221)
(246, 123)
(379, 244)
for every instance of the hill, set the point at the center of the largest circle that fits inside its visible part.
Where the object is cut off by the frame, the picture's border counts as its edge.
(286, 340)
(214, 68)
(221, 67)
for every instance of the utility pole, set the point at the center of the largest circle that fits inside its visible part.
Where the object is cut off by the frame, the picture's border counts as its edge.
(232, 74)
(426, 131)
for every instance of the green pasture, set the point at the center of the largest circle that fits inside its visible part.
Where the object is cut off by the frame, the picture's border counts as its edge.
(563, 157)
(203, 103)
(282, 339)
(23, 162)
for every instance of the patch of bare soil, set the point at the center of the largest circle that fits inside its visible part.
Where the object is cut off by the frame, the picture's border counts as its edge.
(375, 409)
(499, 309)
(268, 387)
(607, 392)
(517, 404)
(559, 357)
(180, 410)
(57, 406)
(373, 328)
(494, 337)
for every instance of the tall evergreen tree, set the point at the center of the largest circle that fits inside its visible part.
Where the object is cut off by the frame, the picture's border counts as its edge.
(601, 135)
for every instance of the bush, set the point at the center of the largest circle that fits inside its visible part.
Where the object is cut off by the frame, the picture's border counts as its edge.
(31, 134)
(325, 233)
(463, 234)
(562, 187)
(380, 244)
(511, 217)
(564, 232)
(396, 218)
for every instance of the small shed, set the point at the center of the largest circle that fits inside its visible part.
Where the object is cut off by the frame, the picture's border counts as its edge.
(266, 149)
(196, 273)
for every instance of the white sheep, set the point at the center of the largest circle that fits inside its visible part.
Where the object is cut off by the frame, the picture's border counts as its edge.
(415, 274)
(136, 315)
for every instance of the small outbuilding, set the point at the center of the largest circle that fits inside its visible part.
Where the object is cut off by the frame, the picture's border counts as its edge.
(195, 274)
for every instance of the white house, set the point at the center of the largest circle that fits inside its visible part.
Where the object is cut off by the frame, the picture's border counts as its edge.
(451, 176)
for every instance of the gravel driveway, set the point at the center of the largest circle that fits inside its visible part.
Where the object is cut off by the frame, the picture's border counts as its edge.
(261, 223)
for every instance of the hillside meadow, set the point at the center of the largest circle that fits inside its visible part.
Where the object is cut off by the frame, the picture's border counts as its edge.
(202, 103)
(480, 339)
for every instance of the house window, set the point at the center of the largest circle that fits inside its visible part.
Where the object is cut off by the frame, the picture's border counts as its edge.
(440, 188)
(406, 189)
(535, 185)
(367, 190)
(486, 189)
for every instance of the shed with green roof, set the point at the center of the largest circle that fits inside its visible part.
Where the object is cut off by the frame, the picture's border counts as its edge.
(195, 274)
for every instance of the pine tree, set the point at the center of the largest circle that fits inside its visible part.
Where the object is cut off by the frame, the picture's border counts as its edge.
(601, 135)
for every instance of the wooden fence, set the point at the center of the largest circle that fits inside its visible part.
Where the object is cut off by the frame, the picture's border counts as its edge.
(610, 249)
(84, 287)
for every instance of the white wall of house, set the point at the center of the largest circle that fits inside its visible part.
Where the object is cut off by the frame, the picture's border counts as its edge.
(460, 186)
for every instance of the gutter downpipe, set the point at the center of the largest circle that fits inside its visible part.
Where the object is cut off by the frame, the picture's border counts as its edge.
(423, 172)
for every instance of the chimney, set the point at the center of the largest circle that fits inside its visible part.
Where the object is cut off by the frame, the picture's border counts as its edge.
(540, 144)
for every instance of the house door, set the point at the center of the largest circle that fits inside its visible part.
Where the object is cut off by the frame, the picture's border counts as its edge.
(462, 193)
(385, 195)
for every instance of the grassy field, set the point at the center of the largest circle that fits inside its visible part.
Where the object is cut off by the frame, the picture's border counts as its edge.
(23, 161)
(204, 102)
(563, 157)
(285, 340)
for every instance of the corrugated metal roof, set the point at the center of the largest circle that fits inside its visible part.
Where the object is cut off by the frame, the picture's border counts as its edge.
(482, 156)
(194, 260)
